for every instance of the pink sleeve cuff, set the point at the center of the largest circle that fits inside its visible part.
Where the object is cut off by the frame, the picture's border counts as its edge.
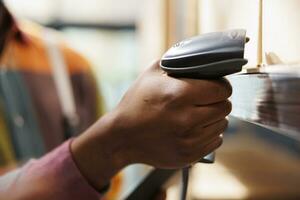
(54, 177)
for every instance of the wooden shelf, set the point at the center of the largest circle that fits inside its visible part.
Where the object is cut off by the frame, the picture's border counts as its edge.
(270, 99)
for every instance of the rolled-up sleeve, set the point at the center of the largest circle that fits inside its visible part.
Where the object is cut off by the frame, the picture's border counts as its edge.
(53, 177)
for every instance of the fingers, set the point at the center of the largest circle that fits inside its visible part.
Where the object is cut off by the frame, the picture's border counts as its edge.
(201, 141)
(192, 154)
(201, 116)
(209, 148)
(201, 151)
(205, 92)
(192, 91)
(206, 134)
(205, 115)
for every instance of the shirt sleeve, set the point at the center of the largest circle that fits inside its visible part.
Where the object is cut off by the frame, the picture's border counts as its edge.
(53, 177)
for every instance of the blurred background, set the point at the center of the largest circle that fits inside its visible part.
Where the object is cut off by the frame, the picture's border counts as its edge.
(120, 38)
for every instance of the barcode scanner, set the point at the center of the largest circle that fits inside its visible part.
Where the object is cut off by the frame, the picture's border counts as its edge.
(208, 56)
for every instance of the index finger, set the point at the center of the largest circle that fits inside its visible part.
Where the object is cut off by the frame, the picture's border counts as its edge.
(206, 92)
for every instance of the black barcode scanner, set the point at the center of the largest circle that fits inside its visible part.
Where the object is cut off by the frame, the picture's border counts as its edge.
(208, 56)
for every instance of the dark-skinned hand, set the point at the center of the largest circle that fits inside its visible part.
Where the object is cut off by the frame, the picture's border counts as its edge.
(161, 121)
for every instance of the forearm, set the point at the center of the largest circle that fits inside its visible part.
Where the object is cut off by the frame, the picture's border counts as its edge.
(99, 154)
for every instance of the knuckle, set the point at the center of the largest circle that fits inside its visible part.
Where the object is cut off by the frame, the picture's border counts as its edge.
(180, 88)
(215, 144)
(226, 122)
(228, 88)
(227, 107)
(170, 96)
(224, 125)
(183, 122)
(218, 142)
(220, 92)
(218, 128)
(174, 93)
(223, 89)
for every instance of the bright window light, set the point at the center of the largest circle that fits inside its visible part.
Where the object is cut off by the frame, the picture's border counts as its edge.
(216, 182)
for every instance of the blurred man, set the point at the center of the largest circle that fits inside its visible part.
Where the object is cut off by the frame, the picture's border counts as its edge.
(32, 120)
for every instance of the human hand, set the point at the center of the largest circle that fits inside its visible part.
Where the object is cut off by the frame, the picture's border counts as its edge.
(161, 121)
(170, 123)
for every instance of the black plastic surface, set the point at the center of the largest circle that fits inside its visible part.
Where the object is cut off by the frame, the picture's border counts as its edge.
(212, 55)
(205, 49)
(208, 71)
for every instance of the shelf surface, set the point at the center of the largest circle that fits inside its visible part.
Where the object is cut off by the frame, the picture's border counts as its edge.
(270, 99)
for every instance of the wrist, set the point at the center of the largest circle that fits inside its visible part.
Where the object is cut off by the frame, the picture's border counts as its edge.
(100, 153)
